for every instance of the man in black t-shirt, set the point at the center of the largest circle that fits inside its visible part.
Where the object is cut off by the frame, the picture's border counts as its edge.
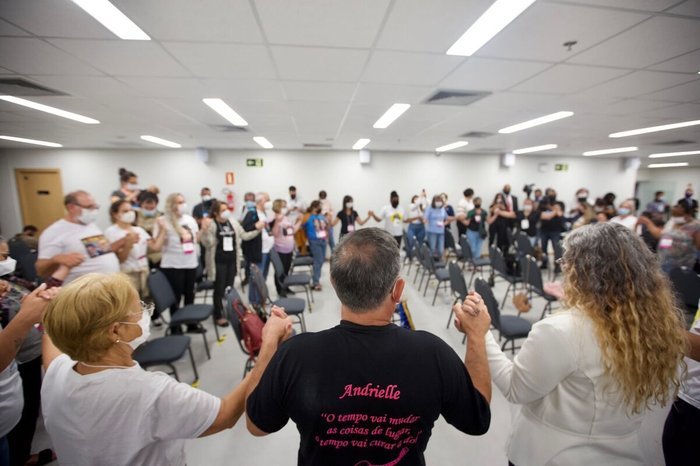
(366, 391)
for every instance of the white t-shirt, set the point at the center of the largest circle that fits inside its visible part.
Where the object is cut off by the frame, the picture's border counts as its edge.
(64, 237)
(176, 254)
(690, 388)
(464, 206)
(11, 398)
(137, 259)
(630, 221)
(291, 204)
(268, 241)
(393, 219)
(122, 416)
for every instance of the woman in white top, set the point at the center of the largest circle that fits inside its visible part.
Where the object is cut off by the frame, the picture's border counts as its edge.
(586, 376)
(100, 406)
(133, 259)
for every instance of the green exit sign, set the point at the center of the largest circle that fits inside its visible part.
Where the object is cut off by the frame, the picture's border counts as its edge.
(254, 162)
(561, 167)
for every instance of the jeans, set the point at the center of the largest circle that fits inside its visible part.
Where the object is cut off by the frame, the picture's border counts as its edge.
(546, 237)
(436, 242)
(265, 265)
(331, 239)
(415, 234)
(475, 243)
(318, 251)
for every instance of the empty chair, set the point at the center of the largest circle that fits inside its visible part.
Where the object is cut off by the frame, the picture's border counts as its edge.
(202, 284)
(687, 285)
(293, 279)
(410, 253)
(450, 246)
(509, 328)
(301, 261)
(523, 245)
(231, 297)
(500, 269)
(294, 307)
(191, 315)
(165, 351)
(477, 263)
(459, 287)
(432, 271)
(535, 285)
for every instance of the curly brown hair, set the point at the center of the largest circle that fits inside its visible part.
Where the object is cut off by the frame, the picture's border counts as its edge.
(612, 277)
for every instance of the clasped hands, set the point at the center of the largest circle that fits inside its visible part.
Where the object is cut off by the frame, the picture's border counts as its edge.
(471, 315)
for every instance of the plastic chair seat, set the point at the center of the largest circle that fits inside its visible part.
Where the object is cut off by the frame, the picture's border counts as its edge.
(297, 279)
(191, 313)
(442, 274)
(301, 261)
(162, 350)
(515, 327)
(481, 262)
(204, 285)
(291, 305)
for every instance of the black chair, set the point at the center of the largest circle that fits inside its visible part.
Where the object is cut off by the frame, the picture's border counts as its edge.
(164, 351)
(687, 284)
(477, 263)
(558, 253)
(191, 315)
(410, 253)
(231, 296)
(294, 307)
(535, 285)
(293, 279)
(500, 269)
(509, 327)
(26, 266)
(450, 245)
(431, 270)
(523, 245)
(202, 284)
(459, 287)
(301, 261)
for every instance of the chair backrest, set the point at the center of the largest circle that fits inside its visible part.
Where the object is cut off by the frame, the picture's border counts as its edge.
(427, 258)
(466, 248)
(687, 284)
(449, 240)
(231, 296)
(558, 250)
(533, 274)
(498, 262)
(483, 288)
(277, 264)
(457, 282)
(26, 266)
(161, 291)
(259, 284)
(522, 242)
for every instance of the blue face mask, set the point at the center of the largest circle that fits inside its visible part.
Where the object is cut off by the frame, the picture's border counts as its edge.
(623, 211)
(250, 205)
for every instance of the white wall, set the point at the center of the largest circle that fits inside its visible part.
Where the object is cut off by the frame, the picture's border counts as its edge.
(672, 181)
(339, 173)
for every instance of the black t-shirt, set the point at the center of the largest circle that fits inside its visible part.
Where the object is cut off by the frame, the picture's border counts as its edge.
(252, 248)
(531, 223)
(225, 243)
(346, 220)
(201, 210)
(366, 394)
(476, 219)
(553, 225)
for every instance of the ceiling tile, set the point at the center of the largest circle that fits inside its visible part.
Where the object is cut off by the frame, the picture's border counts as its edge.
(689, 8)
(491, 74)
(409, 68)
(6, 29)
(540, 32)
(34, 56)
(313, 91)
(640, 83)
(243, 89)
(223, 60)
(642, 5)
(686, 111)
(564, 79)
(53, 19)
(633, 106)
(319, 64)
(688, 63)
(688, 92)
(166, 87)
(651, 42)
(85, 86)
(327, 23)
(387, 94)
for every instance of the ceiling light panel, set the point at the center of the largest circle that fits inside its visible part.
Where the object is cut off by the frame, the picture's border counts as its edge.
(110, 17)
(616, 150)
(528, 150)
(391, 115)
(654, 129)
(673, 154)
(263, 142)
(30, 141)
(454, 145)
(161, 141)
(52, 110)
(223, 109)
(536, 122)
(360, 144)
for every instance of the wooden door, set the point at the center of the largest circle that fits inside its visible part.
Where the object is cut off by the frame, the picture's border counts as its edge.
(40, 194)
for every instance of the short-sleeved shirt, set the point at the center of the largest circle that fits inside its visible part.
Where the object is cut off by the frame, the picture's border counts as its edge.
(179, 254)
(284, 238)
(676, 247)
(366, 394)
(317, 227)
(10, 304)
(347, 222)
(268, 241)
(393, 219)
(528, 223)
(122, 416)
(435, 219)
(252, 248)
(64, 237)
(476, 219)
(137, 259)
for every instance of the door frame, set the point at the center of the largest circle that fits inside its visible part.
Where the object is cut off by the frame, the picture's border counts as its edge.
(23, 203)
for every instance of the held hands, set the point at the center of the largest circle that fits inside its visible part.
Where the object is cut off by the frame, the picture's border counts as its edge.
(70, 260)
(33, 304)
(278, 326)
(259, 225)
(471, 316)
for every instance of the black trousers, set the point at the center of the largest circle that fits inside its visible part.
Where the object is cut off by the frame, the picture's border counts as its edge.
(681, 431)
(225, 274)
(547, 237)
(286, 259)
(398, 240)
(182, 283)
(21, 436)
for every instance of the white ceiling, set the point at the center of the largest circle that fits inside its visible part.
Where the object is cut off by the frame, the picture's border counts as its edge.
(323, 71)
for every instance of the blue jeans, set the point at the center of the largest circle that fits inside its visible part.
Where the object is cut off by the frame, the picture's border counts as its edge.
(318, 251)
(436, 242)
(415, 234)
(253, 295)
(475, 243)
(265, 265)
(331, 239)
(546, 237)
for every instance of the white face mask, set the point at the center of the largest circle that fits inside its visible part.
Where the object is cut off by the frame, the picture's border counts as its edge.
(88, 216)
(527, 208)
(132, 187)
(348, 205)
(206, 198)
(182, 209)
(226, 214)
(438, 204)
(128, 217)
(284, 211)
(145, 324)
(678, 220)
(268, 205)
(7, 266)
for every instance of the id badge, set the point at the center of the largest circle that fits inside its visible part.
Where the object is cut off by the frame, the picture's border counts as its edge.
(351, 228)
(290, 231)
(321, 234)
(477, 218)
(525, 224)
(441, 224)
(188, 247)
(228, 243)
(665, 243)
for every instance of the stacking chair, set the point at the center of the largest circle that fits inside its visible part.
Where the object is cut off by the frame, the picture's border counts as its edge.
(410, 254)
(191, 314)
(231, 296)
(499, 268)
(459, 287)
(450, 246)
(509, 327)
(301, 261)
(202, 284)
(432, 270)
(558, 253)
(164, 351)
(293, 279)
(687, 284)
(534, 283)
(477, 263)
(523, 245)
(294, 307)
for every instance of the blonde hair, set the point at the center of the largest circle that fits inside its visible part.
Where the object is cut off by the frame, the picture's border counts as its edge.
(277, 205)
(613, 277)
(170, 203)
(80, 316)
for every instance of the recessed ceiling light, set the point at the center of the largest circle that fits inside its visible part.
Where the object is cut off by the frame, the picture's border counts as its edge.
(222, 108)
(162, 142)
(527, 150)
(536, 122)
(653, 129)
(113, 19)
(390, 115)
(31, 141)
(668, 165)
(360, 144)
(263, 142)
(673, 154)
(47, 109)
(497, 17)
(617, 150)
(454, 145)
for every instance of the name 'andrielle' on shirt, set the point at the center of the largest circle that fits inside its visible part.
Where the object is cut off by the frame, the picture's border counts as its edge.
(388, 393)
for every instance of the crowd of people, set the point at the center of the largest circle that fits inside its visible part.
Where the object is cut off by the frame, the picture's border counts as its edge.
(99, 405)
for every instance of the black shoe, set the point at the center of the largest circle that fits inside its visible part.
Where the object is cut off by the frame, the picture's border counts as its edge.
(543, 266)
(196, 329)
(176, 330)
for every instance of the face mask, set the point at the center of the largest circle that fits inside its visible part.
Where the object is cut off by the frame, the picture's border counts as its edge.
(660, 199)
(678, 220)
(284, 211)
(148, 213)
(527, 208)
(7, 266)
(438, 204)
(250, 205)
(394, 203)
(477, 206)
(688, 194)
(128, 217)
(132, 187)
(293, 196)
(623, 211)
(144, 323)
(226, 214)
(206, 198)
(348, 205)
(582, 199)
(506, 191)
(553, 197)
(268, 205)
(182, 209)
(88, 216)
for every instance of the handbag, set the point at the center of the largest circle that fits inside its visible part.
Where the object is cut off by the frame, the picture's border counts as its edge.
(251, 327)
(521, 303)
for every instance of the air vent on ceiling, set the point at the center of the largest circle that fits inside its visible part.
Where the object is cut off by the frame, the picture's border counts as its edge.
(22, 87)
(313, 145)
(456, 98)
(229, 129)
(476, 134)
(677, 142)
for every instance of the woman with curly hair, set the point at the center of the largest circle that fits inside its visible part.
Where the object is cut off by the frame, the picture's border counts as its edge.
(586, 376)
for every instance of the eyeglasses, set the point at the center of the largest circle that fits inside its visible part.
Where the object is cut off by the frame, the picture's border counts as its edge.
(146, 308)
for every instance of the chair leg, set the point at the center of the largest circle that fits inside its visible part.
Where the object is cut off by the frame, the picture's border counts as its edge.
(449, 318)
(206, 345)
(471, 278)
(175, 374)
(506, 295)
(309, 296)
(303, 322)
(216, 328)
(194, 365)
(427, 284)
(437, 287)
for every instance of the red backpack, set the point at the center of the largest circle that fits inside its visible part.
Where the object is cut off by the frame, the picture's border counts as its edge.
(251, 327)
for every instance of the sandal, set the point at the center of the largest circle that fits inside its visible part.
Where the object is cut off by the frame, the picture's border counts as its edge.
(222, 322)
(45, 456)
(317, 287)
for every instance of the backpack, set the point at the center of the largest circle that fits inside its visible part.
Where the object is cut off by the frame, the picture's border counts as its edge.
(251, 327)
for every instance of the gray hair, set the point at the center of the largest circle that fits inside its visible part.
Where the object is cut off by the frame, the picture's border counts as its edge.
(364, 268)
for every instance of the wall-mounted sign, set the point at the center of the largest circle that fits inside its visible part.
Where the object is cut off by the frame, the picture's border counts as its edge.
(230, 178)
(254, 162)
(561, 167)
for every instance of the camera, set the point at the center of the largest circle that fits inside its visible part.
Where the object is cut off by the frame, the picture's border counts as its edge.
(527, 189)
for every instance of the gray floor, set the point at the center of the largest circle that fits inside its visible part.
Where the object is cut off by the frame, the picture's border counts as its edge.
(447, 445)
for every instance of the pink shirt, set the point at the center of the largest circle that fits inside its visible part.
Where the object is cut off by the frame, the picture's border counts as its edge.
(284, 236)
